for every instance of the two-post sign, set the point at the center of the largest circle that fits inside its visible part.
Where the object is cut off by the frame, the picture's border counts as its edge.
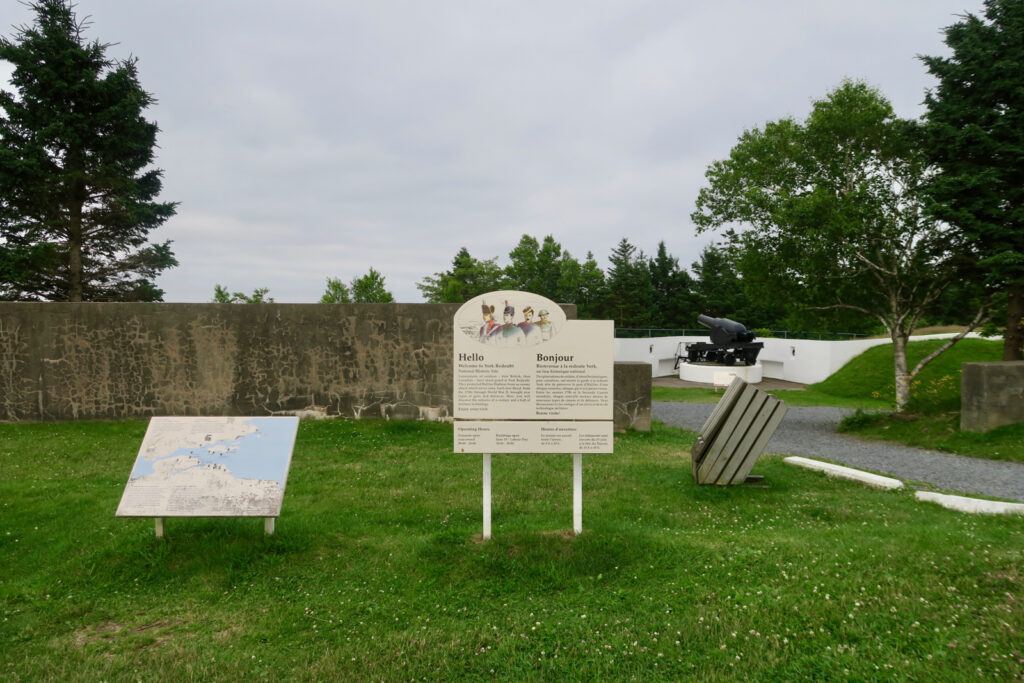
(527, 380)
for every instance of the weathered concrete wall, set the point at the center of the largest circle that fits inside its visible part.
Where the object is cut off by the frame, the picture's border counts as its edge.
(67, 361)
(991, 395)
(632, 396)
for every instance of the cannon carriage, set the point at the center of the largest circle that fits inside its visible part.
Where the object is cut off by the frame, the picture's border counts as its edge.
(731, 343)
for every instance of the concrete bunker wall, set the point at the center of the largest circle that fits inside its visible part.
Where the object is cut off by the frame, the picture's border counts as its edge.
(111, 360)
(105, 360)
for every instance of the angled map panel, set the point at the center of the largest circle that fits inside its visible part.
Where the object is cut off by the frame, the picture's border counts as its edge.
(211, 467)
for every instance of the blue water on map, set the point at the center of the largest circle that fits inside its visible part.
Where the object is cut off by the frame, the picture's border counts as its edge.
(263, 455)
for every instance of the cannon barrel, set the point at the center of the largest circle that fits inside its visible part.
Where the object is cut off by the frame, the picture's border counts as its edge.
(725, 331)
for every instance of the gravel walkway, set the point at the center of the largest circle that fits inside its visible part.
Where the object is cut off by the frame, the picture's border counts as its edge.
(811, 432)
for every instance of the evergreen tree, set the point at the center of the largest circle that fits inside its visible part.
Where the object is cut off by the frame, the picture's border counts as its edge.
(523, 270)
(630, 294)
(718, 287)
(538, 267)
(467, 278)
(370, 289)
(77, 190)
(974, 129)
(591, 300)
(675, 304)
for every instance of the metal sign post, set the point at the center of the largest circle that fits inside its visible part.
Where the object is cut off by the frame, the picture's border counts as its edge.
(487, 497)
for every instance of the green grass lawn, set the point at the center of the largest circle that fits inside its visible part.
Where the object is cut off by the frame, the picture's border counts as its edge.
(939, 431)
(936, 389)
(810, 396)
(375, 571)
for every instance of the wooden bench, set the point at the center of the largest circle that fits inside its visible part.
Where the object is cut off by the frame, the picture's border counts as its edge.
(735, 434)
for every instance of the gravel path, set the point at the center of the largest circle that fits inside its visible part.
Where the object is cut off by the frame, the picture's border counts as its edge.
(811, 432)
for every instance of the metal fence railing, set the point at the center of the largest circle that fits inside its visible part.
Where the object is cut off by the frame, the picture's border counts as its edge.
(645, 332)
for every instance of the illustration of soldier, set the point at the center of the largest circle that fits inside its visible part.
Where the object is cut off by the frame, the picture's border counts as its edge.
(544, 325)
(509, 333)
(490, 326)
(529, 328)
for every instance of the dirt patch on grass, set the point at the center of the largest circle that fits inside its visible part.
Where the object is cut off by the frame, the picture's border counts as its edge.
(227, 633)
(153, 633)
(566, 534)
(96, 633)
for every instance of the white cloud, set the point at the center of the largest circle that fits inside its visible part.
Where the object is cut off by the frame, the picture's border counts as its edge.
(314, 139)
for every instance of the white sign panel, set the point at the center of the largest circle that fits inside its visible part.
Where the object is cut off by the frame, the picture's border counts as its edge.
(518, 358)
(530, 436)
(211, 467)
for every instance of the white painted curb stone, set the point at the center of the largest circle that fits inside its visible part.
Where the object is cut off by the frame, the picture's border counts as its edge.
(972, 505)
(831, 470)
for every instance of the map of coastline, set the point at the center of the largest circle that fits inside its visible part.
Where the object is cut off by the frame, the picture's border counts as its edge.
(211, 466)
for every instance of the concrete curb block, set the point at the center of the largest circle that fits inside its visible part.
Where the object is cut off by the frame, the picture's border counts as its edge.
(831, 470)
(975, 506)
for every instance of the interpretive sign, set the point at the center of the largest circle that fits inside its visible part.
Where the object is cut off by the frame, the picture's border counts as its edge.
(527, 380)
(534, 365)
(211, 467)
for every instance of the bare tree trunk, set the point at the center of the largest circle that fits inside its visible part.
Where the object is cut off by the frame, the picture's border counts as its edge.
(1013, 337)
(899, 357)
(75, 254)
(76, 199)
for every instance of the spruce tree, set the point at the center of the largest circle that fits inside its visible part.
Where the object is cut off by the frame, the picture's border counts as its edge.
(675, 301)
(975, 136)
(468, 277)
(630, 294)
(77, 187)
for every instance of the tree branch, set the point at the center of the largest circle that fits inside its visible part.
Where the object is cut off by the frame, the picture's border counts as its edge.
(981, 316)
(875, 266)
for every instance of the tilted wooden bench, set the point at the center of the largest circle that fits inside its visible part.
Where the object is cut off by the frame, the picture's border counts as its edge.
(735, 434)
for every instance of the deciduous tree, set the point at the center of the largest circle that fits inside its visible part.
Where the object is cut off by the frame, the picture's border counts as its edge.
(221, 295)
(336, 292)
(835, 206)
(370, 289)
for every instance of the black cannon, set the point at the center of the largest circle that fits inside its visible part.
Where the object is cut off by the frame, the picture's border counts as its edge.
(731, 343)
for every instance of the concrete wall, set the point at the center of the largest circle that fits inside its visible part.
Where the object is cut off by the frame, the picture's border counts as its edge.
(69, 361)
(796, 360)
(60, 360)
(632, 397)
(991, 395)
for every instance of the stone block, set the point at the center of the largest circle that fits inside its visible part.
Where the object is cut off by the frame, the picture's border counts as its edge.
(991, 395)
(632, 396)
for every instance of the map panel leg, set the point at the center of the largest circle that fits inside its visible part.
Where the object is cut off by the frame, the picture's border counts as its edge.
(159, 526)
(268, 526)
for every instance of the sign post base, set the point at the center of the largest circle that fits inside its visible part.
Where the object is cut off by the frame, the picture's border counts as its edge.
(487, 497)
(159, 526)
(577, 493)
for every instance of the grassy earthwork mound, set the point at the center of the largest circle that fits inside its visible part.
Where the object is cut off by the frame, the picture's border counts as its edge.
(376, 573)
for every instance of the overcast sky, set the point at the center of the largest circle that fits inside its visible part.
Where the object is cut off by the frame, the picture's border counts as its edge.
(313, 139)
